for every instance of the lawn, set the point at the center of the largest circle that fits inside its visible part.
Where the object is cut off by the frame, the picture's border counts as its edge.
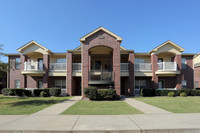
(26, 105)
(174, 104)
(101, 108)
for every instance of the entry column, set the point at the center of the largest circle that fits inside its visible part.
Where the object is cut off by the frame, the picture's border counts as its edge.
(69, 74)
(154, 63)
(177, 59)
(23, 58)
(131, 78)
(46, 69)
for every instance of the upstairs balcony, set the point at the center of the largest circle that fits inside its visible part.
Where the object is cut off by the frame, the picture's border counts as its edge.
(100, 77)
(57, 66)
(169, 68)
(35, 68)
(76, 67)
(143, 67)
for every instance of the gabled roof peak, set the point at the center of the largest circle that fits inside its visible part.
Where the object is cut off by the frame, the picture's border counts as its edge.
(165, 43)
(103, 29)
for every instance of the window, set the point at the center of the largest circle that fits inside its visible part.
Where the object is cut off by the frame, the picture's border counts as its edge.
(40, 84)
(160, 60)
(139, 60)
(184, 63)
(17, 63)
(184, 84)
(17, 83)
(140, 84)
(60, 84)
(97, 65)
(61, 60)
(196, 84)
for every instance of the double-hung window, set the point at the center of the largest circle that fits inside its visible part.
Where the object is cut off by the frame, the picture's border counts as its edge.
(17, 63)
(184, 63)
(17, 83)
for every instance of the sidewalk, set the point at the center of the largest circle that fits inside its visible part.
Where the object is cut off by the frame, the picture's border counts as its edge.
(140, 123)
(59, 107)
(145, 108)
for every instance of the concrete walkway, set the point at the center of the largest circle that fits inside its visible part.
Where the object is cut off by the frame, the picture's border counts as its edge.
(145, 108)
(59, 107)
(140, 123)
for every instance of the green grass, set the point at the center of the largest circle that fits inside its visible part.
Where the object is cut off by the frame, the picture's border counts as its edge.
(26, 105)
(101, 108)
(174, 104)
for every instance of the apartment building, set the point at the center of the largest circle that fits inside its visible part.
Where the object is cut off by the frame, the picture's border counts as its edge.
(101, 61)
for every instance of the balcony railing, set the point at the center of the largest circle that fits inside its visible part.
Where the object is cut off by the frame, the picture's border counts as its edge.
(57, 66)
(77, 67)
(124, 67)
(33, 66)
(167, 66)
(142, 66)
(101, 75)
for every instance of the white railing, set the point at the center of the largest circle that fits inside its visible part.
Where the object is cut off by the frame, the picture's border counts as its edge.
(33, 66)
(76, 66)
(124, 67)
(142, 66)
(166, 89)
(167, 66)
(57, 66)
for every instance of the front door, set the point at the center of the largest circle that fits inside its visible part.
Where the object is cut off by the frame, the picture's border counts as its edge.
(161, 84)
(40, 64)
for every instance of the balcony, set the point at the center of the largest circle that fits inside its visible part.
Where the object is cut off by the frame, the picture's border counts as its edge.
(167, 68)
(76, 67)
(57, 66)
(124, 66)
(34, 68)
(100, 77)
(143, 67)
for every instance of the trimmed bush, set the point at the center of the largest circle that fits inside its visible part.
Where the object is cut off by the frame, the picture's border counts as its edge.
(171, 94)
(19, 92)
(54, 92)
(91, 92)
(183, 94)
(28, 93)
(147, 92)
(165, 92)
(186, 91)
(106, 94)
(5, 91)
(100, 94)
(11, 92)
(44, 94)
(38, 91)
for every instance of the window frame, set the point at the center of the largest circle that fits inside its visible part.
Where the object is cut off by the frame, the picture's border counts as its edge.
(184, 64)
(17, 86)
(17, 63)
(184, 86)
(62, 84)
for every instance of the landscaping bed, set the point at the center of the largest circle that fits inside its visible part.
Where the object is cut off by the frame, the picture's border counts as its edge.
(26, 105)
(174, 104)
(101, 108)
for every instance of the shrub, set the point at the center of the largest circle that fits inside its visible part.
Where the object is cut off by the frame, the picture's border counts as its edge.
(91, 92)
(147, 92)
(186, 91)
(38, 91)
(197, 88)
(11, 92)
(165, 92)
(44, 94)
(54, 92)
(171, 94)
(100, 94)
(106, 94)
(5, 91)
(183, 94)
(28, 93)
(19, 91)
(197, 92)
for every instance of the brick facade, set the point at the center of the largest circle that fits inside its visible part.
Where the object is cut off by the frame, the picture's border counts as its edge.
(125, 84)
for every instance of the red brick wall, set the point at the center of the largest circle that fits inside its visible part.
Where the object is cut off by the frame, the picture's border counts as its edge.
(197, 75)
(46, 69)
(154, 60)
(188, 73)
(177, 59)
(108, 41)
(131, 77)
(69, 74)
(13, 74)
(169, 82)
